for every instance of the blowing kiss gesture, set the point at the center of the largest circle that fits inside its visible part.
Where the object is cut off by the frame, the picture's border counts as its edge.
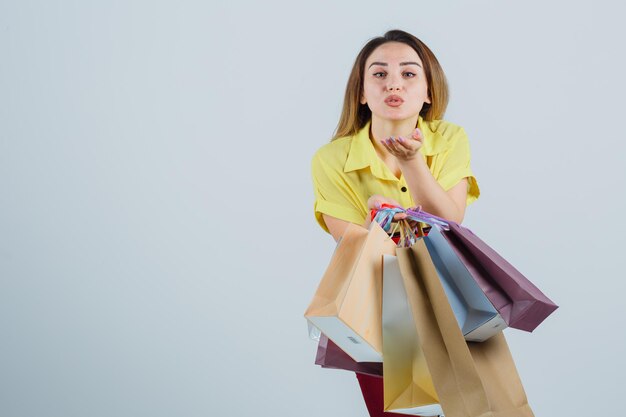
(404, 149)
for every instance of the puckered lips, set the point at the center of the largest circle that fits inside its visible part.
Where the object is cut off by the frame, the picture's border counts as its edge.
(394, 101)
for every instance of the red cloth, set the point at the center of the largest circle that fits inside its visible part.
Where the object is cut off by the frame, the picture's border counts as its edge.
(372, 389)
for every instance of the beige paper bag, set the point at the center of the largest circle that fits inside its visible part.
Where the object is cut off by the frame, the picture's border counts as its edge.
(347, 304)
(471, 379)
(407, 383)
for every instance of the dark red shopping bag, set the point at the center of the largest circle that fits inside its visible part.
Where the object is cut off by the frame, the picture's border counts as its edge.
(522, 305)
(329, 355)
(372, 389)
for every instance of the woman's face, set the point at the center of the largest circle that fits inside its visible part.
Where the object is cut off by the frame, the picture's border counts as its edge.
(394, 86)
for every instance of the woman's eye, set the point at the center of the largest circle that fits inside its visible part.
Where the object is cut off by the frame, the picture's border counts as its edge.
(379, 74)
(410, 74)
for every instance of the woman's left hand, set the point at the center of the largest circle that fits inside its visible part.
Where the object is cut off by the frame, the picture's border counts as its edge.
(402, 148)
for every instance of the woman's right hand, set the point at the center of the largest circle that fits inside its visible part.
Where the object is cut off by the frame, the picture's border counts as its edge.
(375, 202)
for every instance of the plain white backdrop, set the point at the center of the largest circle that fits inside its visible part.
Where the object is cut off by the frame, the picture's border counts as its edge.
(157, 240)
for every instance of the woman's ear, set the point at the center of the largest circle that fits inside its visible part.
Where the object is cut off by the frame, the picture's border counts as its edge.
(363, 101)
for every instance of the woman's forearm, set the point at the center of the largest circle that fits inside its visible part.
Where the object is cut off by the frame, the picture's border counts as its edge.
(426, 191)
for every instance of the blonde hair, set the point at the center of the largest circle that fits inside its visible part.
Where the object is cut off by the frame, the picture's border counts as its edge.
(354, 115)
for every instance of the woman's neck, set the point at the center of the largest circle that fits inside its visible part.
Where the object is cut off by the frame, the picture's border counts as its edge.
(381, 129)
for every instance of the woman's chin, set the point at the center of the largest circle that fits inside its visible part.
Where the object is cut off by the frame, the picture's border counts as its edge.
(396, 116)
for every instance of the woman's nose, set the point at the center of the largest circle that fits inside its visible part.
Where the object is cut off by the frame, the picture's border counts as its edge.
(393, 84)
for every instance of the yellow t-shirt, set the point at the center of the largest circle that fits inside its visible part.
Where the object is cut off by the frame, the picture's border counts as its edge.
(347, 171)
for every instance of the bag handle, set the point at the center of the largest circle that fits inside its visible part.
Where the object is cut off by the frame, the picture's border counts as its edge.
(384, 216)
(408, 235)
(419, 215)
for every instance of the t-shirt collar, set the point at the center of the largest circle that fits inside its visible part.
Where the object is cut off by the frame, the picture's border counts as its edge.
(362, 153)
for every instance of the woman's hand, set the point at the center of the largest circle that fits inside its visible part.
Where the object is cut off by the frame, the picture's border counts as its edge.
(376, 201)
(402, 148)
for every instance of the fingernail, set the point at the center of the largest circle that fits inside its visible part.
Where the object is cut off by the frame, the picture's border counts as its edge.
(400, 139)
(377, 205)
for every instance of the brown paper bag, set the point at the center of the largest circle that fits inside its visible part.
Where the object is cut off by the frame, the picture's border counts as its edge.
(347, 304)
(471, 379)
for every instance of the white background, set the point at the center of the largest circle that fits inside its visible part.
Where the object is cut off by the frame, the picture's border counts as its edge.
(157, 240)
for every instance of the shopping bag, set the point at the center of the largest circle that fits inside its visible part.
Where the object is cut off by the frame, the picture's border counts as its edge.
(329, 355)
(476, 315)
(407, 382)
(471, 379)
(346, 306)
(522, 305)
(372, 390)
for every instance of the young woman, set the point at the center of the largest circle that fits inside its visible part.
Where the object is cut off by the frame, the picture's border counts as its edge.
(392, 146)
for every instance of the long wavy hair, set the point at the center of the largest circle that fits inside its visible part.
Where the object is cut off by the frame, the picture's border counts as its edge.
(354, 115)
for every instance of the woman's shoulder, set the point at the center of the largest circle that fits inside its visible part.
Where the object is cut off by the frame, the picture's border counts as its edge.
(445, 128)
(335, 152)
(442, 135)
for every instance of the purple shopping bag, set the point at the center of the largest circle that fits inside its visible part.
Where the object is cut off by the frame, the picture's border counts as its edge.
(522, 305)
(329, 355)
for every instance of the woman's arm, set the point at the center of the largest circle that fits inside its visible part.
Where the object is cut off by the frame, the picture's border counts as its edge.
(337, 227)
(424, 188)
(426, 191)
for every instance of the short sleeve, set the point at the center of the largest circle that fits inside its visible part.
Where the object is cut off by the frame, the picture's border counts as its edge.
(332, 193)
(456, 166)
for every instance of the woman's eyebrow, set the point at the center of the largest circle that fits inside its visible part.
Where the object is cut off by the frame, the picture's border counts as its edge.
(384, 64)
